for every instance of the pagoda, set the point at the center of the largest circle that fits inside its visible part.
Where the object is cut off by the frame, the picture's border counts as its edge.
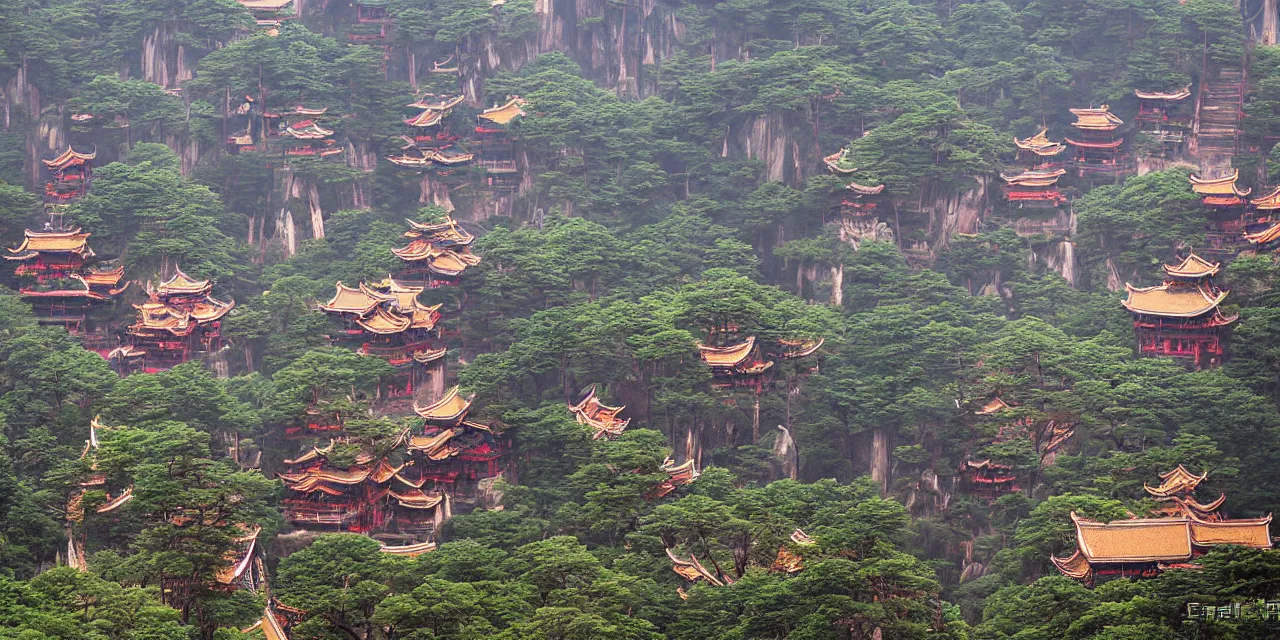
(1220, 193)
(1034, 188)
(388, 321)
(69, 175)
(495, 144)
(1145, 547)
(179, 320)
(602, 418)
(1098, 149)
(303, 136)
(1176, 493)
(438, 253)
(452, 452)
(427, 129)
(1160, 116)
(988, 479)
(57, 283)
(736, 365)
(1038, 151)
(362, 498)
(1181, 318)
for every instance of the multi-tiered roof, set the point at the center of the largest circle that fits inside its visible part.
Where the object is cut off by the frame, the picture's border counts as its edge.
(439, 251)
(179, 318)
(1220, 192)
(602, 418)
(1146, 546)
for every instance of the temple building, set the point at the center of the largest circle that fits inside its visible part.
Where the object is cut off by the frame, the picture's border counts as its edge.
(69, 175)
(495, 145)
(1038, 152)
(59, 286)
(736, 365)
(179, 320)
(386, 320)
(1098, 148)
(1266, 228)
(452, 452)
(1181, 318)
(51, 255)
(678, 475)
(1161, 115)
(1220, 193)
(244, 568)
(988, 479)
(1145, 547)
(366, 497)
(438, 253)
(602, 418)
(1176, 493)
(1034, 188)
(307, 138)
(427, 130)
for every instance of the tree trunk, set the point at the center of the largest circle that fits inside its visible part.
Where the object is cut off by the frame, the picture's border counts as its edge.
(1270, 22)
(755, 420)
(880, 459)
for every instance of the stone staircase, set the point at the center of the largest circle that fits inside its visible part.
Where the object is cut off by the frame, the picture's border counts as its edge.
(1219, 108)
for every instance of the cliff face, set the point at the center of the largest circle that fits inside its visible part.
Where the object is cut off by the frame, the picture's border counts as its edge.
(164, 60)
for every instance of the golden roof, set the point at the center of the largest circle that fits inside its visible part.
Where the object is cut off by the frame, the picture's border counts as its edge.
(1224, 186)
(157, 316)
(995, 406)
(1179, 480)
(428, 356)
(416, 499)
(449, 263)
(1269, 202)
(731, 356)
(434, 447)
(1076, 566)
(342, 477)
(417, 250)
(1149, 540)
(439, 103)
(1172, 302)
(409, 550)
(270, 625)
(55, 242)
(358, 301)
(105, 278)
(450, 408)
(1037, 178)
(787, 561)
(1040, 144)
(239, 557)
(1249, 533)
(428, 118)
(69, 158)
(446, 231)
(599, 416)
(1182, 94)
(1270, 234)
(208, 310)
(800, 348)
(300, 110)
(864, 190)
(1100, 119)
(384, 322)
(506, 113)
(307, 130)
(1193, 266)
